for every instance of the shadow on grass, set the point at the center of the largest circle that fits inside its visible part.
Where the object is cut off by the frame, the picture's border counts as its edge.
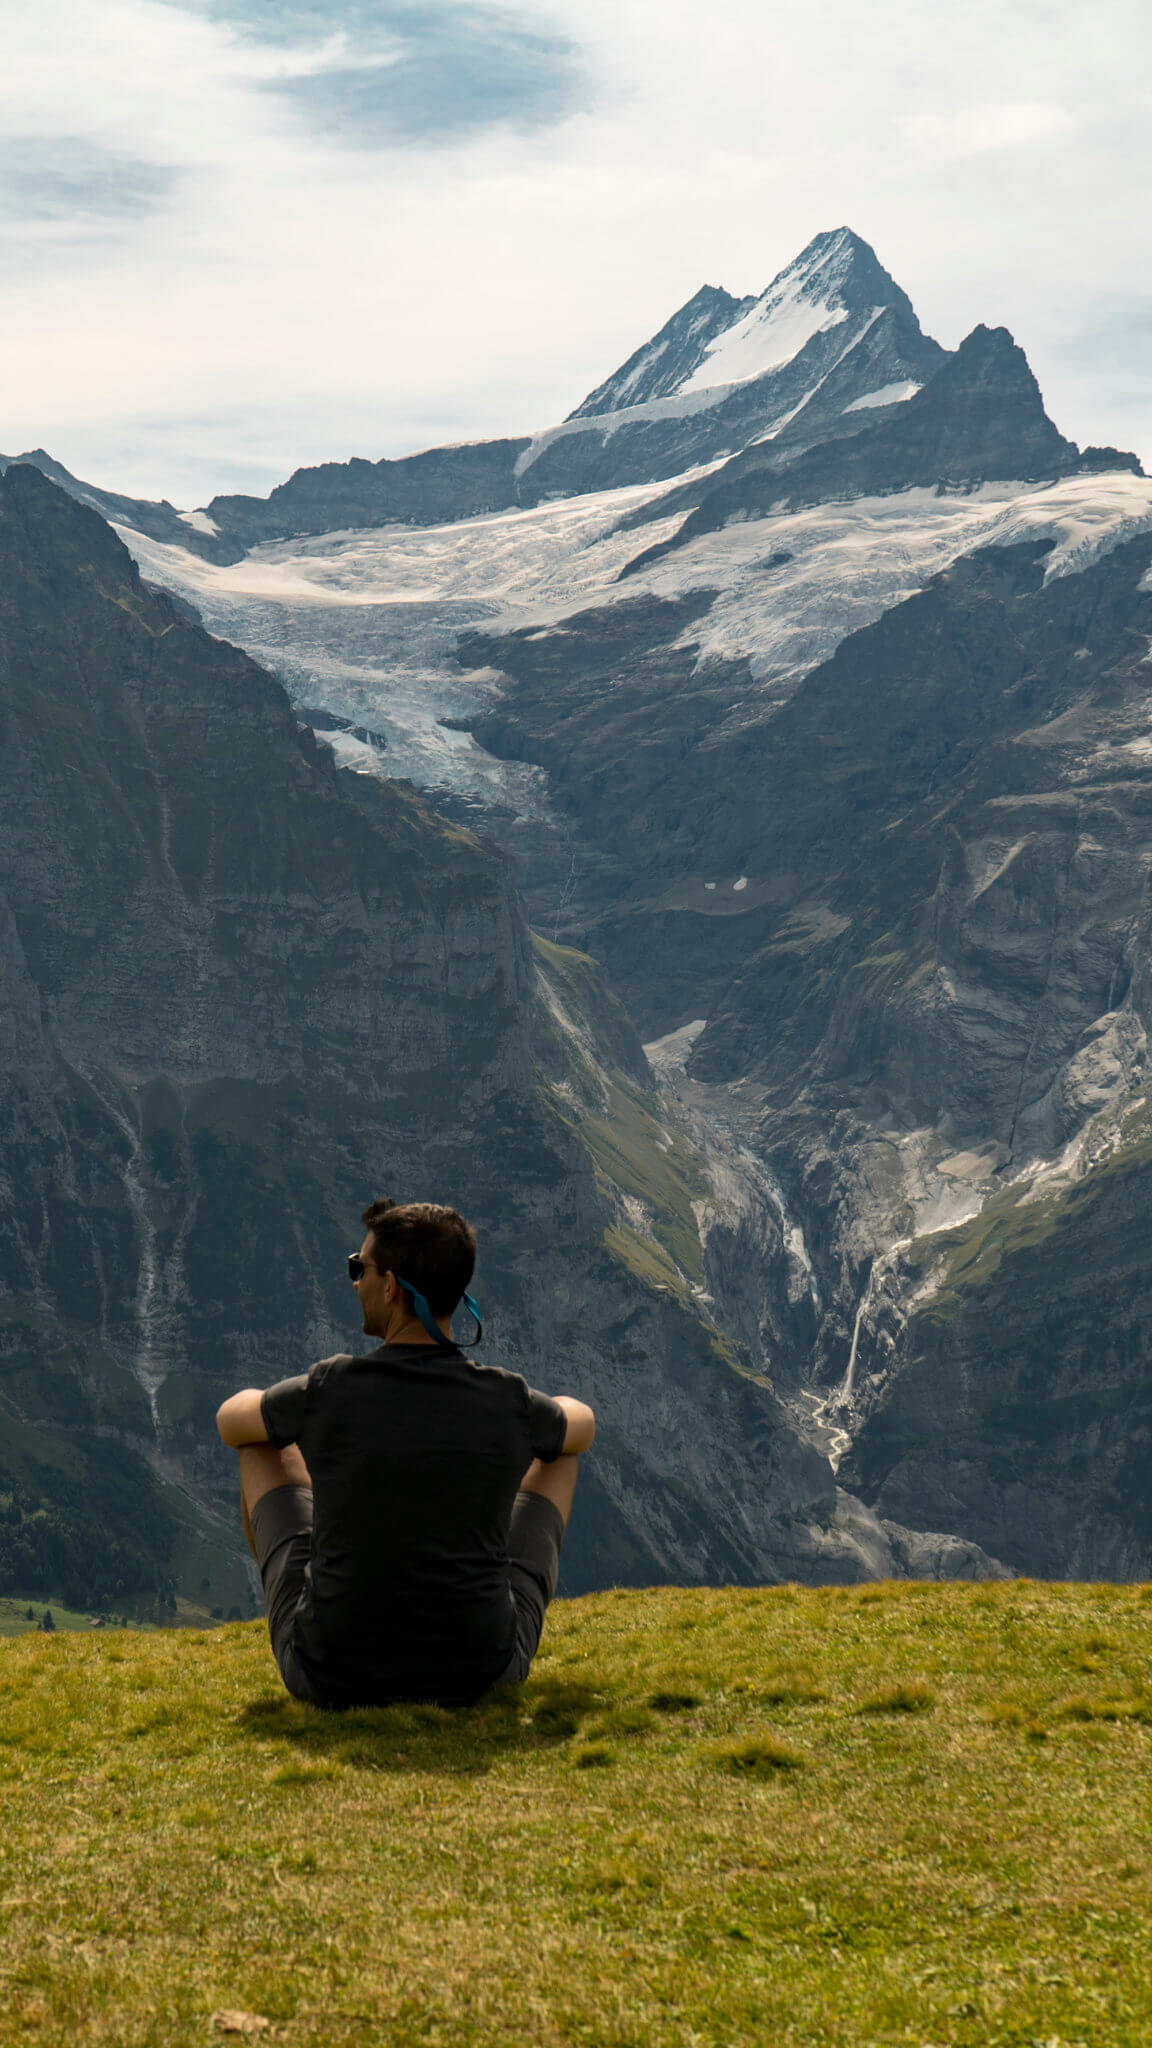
(456, 1741)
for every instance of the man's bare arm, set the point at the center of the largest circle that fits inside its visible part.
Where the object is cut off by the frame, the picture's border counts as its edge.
(581, 1424)
(239, 1419)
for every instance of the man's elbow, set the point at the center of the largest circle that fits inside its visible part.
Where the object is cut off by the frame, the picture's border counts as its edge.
(238, 1419)
(581, 1426)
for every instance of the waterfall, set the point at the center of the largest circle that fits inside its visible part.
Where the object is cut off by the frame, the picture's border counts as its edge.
(150, 1364)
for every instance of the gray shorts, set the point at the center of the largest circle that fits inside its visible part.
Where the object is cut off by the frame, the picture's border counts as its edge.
(282, 1537)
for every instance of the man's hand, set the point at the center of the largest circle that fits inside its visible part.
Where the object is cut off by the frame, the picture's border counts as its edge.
(240, 1421)
(581, 1424)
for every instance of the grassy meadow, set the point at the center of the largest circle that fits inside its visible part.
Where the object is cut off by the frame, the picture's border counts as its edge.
(23, 1617)
(889, 1814)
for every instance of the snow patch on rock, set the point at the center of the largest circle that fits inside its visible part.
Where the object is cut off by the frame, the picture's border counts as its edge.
(888, 394)
(670, 1054)
(772, 334)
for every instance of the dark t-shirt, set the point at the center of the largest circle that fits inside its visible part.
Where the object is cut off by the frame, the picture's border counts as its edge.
(415, 1454)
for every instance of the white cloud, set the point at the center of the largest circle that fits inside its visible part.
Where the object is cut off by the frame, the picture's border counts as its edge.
(970, 131)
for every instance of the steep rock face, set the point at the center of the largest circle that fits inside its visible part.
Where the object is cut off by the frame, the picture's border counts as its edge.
(243, 992)
(969, 1051)
(229, 971)
(441, 483)
(662, 365)
(1016, 1402)
(929, 701)
(696, 1222)
(996, 720)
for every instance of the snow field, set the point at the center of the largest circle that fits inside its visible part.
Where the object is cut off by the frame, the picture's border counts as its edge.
(772, 334)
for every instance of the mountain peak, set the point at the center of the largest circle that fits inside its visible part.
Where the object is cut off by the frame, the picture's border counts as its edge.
(831, 255)
(716, 341)
(989, 360)
(50, 525)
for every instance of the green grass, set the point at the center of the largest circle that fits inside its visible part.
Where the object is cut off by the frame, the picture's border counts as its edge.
(646, 1259)
(637, 1140)
(893, 1815)
(1005, 1226)
(579, 981)
(640, 1150)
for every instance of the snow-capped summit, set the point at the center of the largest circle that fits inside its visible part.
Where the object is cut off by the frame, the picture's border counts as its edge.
(814, 294)
(717, 341)
(831, 331)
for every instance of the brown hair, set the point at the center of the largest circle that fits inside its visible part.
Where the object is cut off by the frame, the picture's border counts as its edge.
(425, 1243)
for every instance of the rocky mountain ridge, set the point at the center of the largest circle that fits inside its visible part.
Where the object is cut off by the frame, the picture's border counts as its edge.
(980, 418)
(158, 519)
(721, 373)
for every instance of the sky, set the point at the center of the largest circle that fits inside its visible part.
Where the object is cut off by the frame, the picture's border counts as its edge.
(238, 236)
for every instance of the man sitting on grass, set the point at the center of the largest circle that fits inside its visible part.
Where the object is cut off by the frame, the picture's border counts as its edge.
(406, 1507)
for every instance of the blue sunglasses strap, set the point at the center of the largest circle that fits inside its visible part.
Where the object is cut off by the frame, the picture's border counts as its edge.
(429, 1321)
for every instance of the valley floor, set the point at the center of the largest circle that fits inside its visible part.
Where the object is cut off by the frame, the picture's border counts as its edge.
(914, 1814)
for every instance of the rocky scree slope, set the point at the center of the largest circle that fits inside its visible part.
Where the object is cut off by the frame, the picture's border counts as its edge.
(242, 990)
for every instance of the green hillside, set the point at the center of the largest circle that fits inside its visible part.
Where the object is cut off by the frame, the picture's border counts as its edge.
(853, 1816)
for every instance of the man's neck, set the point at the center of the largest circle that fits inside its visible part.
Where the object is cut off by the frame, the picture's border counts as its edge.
(411, 1331)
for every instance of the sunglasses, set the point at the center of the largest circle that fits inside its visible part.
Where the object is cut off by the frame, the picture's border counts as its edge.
(357, 1267)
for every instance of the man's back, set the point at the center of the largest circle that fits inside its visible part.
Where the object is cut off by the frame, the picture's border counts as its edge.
(415, 1453)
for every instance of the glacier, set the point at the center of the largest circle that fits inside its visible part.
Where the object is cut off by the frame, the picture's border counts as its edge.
(365, 623)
